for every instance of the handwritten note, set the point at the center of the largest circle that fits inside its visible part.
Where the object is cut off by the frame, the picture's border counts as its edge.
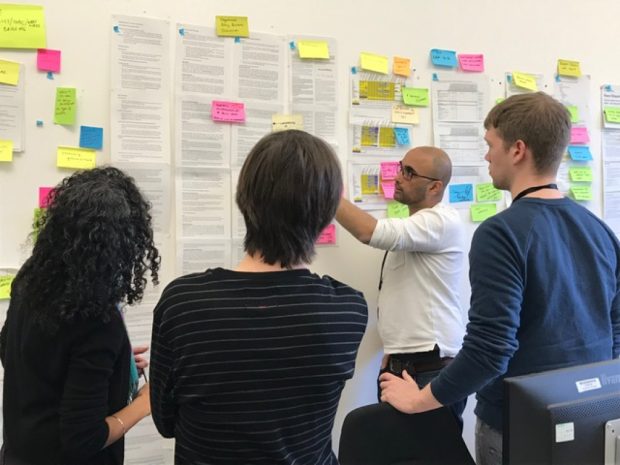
(48, 60)
(45, 194)
(91, 137)
(461, 193)
(397, 210)
(6, 150)
(405, 115)
(232, 26)
(415, 96)
(318, 49)
(9, 72)
(227, 112)
(581, 193)
(388, 189)
(285, 122)
(5, 286)
(66, 105)
(402, 136)
(574, 113)
(569, 68)
(75, 158)
(481, 211)
(579, 135)
(524, 81)
(22, 26)
(579, 152)
(473, 63)
(612, 114)
(444, 58)
(328, 235)
(487, 193)
(580, 173)
(401, 66)
(374, 62)
(389, 169)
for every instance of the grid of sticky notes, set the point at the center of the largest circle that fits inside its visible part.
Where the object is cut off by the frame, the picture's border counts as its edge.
(580, 174)
(385, 137)
(388, 172)
(482, 199)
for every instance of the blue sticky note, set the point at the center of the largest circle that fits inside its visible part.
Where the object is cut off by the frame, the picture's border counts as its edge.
(402, 136)
(445, 58)
(182, 31)
(461, 193)
(91, 137)
(579, 152)
(117, 29)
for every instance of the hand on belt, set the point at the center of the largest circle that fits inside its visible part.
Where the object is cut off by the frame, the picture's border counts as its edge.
(397, 366)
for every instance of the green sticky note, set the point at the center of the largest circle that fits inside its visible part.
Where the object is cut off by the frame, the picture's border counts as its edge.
(397, 210)
(580, 173)
(581, 192)
(38, 213)
(487, 193)
(612, 114)
(481, 211)
(574, 113)
(499, 100)
(65, 108)
(5, 286)
(415, 96)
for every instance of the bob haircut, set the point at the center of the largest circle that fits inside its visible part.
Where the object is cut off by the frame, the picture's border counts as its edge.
(93, 248)
(288, 192)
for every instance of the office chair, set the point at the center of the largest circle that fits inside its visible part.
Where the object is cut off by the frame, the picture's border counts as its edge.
(378, 434)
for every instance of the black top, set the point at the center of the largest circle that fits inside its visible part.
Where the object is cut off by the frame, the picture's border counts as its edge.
(59, 388)
(248, 368)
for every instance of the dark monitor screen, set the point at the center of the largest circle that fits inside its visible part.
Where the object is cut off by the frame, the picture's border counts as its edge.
(558, 417)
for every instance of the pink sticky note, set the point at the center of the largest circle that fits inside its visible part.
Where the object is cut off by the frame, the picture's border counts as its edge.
(229, 112)
(472, 62)
(328, 235)
(579, 135)
(44, 196)
(388, 189)
(389, 169)
(48, 60)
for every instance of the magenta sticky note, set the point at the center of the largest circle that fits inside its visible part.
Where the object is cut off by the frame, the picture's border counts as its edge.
(388, 189)
(48, 60)
(389, 169)
(228, 112)
(44, 196)
(328, 235)
(579, 135)
(472, 62)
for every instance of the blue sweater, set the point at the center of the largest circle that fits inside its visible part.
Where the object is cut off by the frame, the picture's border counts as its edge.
(545, 280)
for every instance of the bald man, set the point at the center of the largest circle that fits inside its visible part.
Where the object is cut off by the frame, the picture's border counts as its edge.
(420, 318)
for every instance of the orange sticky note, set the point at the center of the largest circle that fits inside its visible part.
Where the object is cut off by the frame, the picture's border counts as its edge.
(402, 66)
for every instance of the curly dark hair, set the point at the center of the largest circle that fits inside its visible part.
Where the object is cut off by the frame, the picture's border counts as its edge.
(93, 248)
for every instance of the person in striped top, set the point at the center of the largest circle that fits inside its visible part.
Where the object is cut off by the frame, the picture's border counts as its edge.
(248, 365)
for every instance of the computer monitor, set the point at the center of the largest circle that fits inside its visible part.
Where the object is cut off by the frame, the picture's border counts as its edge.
(558, 417)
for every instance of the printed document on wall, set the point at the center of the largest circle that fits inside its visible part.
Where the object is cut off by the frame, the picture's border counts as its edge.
(12, 112)
(195, 255)
(258, 123)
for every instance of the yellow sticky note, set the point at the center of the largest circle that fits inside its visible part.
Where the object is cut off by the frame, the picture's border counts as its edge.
(574, 113)
(22, 26)
(405, 115)
(370, 136)
(232, 26)
(75, 158)
(387, 137)
(612, 114)
(569, 68)
(525, 81)
(580, 173)
(481, 211)
(581, 192)
(284, 122)
(397, 210)
(373, 62)
(402, 66)
(487, 193)
(313, 49)
(66, 105)
(415, 96)
(5, 286)
(377, 90)
(6, 150)
(9, 71)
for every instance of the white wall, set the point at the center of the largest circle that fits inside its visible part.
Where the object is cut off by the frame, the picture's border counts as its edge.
(529, 35)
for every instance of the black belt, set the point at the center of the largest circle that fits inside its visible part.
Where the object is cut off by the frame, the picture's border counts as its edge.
(419, 362)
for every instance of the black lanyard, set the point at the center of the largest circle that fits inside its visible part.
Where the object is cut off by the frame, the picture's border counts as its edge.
(529, 190)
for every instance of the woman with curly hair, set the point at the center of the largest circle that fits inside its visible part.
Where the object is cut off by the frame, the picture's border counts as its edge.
(64, 345)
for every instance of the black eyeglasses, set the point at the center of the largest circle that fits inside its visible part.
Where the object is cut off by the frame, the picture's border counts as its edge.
(409, 173)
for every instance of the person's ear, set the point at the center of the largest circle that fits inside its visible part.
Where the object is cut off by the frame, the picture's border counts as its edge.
(518, 151)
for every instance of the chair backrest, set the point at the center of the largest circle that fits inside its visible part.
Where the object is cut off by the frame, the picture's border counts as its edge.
(378, 434)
